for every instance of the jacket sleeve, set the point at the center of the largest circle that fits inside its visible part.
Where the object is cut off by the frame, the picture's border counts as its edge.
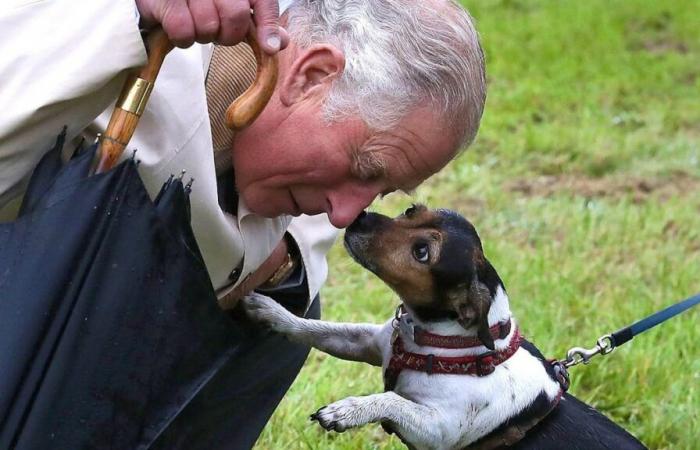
(63, 62)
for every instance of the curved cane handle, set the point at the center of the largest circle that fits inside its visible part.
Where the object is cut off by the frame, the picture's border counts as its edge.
(246, 108)
(132, 101)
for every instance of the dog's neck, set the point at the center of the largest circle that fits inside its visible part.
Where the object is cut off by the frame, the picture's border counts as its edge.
(499, 312)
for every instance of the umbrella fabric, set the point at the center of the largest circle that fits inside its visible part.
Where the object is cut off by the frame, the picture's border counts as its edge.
(109, 324)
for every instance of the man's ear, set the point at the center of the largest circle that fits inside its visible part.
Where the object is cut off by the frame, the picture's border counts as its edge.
(311, 73)
(472, 304)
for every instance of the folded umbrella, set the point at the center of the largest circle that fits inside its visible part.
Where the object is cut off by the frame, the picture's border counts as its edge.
(109, 323)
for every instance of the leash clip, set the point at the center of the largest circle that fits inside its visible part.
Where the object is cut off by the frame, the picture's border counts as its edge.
(578, 355)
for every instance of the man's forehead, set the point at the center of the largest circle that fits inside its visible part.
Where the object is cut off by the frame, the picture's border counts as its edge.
(416, 149)
(426, 126)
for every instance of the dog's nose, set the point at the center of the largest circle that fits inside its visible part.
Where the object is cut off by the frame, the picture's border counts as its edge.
(357, 223)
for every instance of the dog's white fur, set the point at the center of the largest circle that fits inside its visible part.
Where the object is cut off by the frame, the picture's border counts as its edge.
(435, 411)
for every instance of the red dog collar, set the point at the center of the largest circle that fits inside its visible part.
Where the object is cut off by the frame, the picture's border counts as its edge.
(476, 365)
(425, 339)
(403, 321)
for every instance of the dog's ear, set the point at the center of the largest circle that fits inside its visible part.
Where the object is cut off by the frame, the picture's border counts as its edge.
(480, 296)
(472, 304)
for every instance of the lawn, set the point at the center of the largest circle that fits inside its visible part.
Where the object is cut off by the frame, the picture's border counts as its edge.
(584, 184)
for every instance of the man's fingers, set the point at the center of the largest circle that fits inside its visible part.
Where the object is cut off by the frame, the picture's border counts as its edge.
(225, 22)
(235, 21)
(267, 20)
(147, 12)
(206, 20)
(176, 20)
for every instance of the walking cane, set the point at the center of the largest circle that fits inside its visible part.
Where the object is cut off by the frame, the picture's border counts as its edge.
(137, 89)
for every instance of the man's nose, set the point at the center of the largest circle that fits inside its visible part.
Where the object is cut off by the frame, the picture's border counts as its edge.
(346, 205)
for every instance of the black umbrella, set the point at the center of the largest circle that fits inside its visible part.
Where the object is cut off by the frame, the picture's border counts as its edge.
(109, 324)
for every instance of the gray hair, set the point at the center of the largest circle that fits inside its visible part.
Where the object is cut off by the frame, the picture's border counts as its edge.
(399, 54)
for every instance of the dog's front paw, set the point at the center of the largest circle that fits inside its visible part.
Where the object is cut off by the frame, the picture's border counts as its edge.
(341, 415)
(267, 312)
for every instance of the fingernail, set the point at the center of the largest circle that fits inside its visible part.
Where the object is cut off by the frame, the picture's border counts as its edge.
(274, 42)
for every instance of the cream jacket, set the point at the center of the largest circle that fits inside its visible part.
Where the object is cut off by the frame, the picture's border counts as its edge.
(62, 62)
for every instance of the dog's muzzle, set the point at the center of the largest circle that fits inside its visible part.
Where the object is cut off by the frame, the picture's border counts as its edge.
(359, 234)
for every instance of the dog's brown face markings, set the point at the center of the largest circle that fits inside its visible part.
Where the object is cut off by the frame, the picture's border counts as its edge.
(432, 259)
(403, 250)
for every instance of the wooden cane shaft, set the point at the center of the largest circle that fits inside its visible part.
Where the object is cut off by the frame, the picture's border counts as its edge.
(119, 131)
(132, 101)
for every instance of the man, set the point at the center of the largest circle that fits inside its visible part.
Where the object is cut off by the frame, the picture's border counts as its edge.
(373, 96)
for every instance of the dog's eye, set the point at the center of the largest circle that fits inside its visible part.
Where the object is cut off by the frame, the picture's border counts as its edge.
(421, 252)
(410, 211)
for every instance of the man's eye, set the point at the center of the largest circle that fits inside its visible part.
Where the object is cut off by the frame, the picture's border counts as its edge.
(421, 253)
(367, 166)
(410, 211)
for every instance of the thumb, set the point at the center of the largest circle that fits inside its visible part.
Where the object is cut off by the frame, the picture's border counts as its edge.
(266, 14)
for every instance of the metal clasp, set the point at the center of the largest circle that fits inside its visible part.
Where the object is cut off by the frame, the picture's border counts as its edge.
(407, 327)
(561, 373)
(397, 317)
(578, 355)
(135, 94)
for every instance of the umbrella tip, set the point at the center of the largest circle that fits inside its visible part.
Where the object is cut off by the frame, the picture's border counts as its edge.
(133, 157)
(188, 187)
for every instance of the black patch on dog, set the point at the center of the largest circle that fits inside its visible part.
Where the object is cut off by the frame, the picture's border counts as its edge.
(457, 257)
(573, 422)
(537, 409)
(431, 314)
(580, 427)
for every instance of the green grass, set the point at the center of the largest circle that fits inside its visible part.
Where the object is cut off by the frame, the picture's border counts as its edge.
(584, 184)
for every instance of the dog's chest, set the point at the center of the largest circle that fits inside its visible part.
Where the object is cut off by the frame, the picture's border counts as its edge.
(474, 406)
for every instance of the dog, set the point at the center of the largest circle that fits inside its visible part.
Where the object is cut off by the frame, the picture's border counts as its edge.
(458, 374)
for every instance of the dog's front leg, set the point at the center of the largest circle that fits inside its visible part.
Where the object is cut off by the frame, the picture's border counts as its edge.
(417, 424)
(355, 342)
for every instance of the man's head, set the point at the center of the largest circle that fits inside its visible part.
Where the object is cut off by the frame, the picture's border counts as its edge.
(373, 96)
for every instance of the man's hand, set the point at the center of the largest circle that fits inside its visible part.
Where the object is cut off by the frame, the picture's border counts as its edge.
(255, 279)
(224, 22)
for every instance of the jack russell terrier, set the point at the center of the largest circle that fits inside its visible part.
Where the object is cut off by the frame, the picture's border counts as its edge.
(458, 374)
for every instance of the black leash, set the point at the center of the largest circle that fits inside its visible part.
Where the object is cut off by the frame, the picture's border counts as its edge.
(607, 343)
(626, 334)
